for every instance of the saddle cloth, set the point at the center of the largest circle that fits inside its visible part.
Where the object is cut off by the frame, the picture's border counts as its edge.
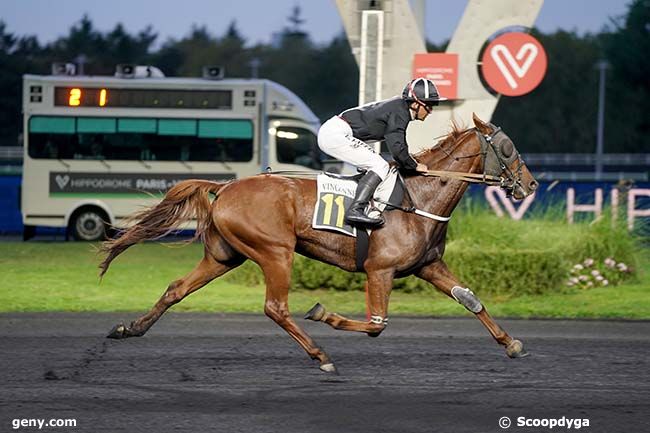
(336, 193)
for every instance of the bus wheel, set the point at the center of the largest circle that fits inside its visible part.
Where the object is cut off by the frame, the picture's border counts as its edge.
(89, 225)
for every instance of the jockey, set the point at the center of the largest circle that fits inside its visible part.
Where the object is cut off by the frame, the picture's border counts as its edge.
(344, 137)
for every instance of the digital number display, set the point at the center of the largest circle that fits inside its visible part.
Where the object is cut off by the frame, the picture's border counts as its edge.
(141, 98)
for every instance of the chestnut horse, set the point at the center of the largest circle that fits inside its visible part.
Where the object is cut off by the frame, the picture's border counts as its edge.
(266, 218)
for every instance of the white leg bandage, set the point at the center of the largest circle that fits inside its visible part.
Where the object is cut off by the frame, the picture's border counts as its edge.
(467, 298)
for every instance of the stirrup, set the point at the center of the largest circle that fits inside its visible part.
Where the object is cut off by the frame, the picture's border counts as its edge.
(360, 218)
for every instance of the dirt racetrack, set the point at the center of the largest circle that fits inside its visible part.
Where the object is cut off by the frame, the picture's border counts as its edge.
(241, 373)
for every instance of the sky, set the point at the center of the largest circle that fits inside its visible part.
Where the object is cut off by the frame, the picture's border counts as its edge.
(257, 20)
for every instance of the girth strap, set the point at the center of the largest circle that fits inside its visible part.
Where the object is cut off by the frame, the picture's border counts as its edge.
(363, 241)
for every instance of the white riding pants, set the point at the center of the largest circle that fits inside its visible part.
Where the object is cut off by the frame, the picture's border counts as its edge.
(335, 139)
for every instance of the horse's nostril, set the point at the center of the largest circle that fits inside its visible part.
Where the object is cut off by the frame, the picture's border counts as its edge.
(533, 185)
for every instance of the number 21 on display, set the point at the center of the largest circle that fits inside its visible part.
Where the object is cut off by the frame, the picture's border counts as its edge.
(74, 99)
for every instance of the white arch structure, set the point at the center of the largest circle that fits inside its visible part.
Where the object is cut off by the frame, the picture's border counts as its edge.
(384, 36)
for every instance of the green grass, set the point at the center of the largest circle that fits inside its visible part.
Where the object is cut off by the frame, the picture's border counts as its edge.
(43, 276)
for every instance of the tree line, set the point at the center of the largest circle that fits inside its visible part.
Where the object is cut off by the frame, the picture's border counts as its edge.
(558, 116)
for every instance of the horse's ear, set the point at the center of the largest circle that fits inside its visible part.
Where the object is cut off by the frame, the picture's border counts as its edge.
(482, 127)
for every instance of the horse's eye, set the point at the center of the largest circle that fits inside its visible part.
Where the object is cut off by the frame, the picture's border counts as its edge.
(507, 148)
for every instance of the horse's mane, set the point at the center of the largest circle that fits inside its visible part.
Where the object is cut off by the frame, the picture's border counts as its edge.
(456, 134)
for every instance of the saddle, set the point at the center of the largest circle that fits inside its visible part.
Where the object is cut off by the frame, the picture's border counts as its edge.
(335, 194)
(354, 177)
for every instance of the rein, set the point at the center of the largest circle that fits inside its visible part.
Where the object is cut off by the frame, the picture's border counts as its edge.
(487, 141)
(413, 209)
(507, 183)
(487, 179)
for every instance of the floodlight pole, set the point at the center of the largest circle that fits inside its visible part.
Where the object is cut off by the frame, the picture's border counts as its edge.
(602, 67)
(255, 63)
(81, 60)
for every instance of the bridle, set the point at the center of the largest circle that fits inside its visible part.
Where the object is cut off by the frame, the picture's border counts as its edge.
(512, 179)
(496, 166)
(496, 171)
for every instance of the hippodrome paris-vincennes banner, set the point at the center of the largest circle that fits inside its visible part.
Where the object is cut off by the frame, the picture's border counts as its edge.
(123, 183)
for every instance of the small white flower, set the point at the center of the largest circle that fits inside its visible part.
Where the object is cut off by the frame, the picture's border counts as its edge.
(595, 272)
(574, 280)
(604, 282)
(569, 283)
(589, 284)
(578, 267)
(583, 278)
(588, 262)
(600, 278)
(622, 267)
(610, 262)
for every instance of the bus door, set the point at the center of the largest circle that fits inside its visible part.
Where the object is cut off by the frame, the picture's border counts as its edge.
(293, 146)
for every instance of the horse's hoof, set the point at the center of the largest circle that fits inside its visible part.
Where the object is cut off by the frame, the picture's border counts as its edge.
(329, 368)
(118, 332)
(316, 313)
(374, 334)
(516, 349)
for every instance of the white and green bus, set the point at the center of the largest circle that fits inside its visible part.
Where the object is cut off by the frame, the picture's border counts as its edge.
(99, 148)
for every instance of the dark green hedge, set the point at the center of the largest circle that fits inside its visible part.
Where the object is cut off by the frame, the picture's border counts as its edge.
(497, 272)
(493, 255)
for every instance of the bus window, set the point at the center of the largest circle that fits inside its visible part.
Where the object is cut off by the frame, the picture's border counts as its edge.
(167, 147)
(52, 146)
(51, 137)
(297, 146)
(223, 149)
(140, 139)
(127, 146)
(229, 140)
(90, 146)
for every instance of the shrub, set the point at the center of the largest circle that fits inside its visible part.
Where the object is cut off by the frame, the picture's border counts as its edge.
(508, 272)
(248, 274)
(492, 255)
(310, 274)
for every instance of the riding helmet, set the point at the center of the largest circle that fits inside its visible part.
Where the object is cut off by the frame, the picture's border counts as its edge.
(422, 91)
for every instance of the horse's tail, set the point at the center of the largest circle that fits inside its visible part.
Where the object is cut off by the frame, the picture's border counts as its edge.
(186, 200)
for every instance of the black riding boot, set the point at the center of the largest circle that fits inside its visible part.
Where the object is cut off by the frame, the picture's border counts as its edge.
(356, 214)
